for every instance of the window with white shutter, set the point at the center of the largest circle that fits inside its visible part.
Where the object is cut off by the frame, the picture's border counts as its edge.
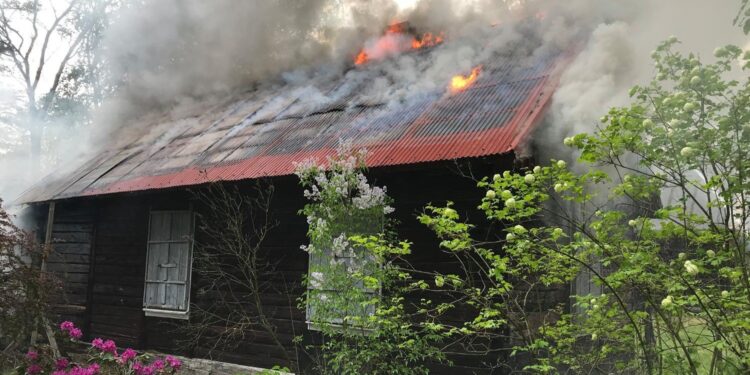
(168, 264)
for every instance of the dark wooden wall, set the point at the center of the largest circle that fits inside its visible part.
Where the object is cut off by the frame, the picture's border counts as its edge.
(112, 231)
(70, 258)
(119, 266)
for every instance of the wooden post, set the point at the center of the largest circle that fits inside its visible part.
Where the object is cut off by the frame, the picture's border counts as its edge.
(43, 268)
(91, 281)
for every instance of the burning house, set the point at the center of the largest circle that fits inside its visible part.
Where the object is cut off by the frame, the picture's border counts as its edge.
(122, 223)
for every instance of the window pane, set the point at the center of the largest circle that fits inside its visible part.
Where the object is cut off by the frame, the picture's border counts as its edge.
(334, 292)
(178, 255)
(176, 296)
(158, 254)
(181, 225)
(168, 263)
(160, 223)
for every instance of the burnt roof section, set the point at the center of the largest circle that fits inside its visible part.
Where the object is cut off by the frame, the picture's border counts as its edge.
(265, 133)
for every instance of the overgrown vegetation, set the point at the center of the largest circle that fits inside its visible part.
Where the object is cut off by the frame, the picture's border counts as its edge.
(234, 272)
(102, 357)
(659, 223)
(25, 291)
(674, 276)
(356, 281)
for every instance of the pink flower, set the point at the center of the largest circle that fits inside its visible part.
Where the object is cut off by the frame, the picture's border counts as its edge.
(140, 369)
(91, 370)
(97, 343)
(127, 355)
(158, 364)
(173, 362)
(105, 346)
(32, 355)
(60, 372)
(67, 325)
(109, 347)
(75, 333)
(34, 369)
(62, 363)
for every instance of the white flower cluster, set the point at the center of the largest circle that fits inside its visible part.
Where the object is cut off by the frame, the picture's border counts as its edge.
(690, 267)
(305, 167)
(346, 182)
(317, 279)
(313, 193)
(340, 246)
(370, 196)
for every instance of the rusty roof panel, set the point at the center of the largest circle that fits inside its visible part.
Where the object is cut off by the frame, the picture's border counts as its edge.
(264, 133)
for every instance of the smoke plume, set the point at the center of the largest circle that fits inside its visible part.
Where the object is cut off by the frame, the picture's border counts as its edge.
(177, 58)
(616, 56)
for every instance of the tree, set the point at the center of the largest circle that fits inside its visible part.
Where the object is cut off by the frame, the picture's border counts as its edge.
(659, 224)
(32, 34)
(675, 276)
(743, 16)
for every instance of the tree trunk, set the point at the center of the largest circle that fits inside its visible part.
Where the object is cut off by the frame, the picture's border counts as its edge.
(35, 135)
(36, 132)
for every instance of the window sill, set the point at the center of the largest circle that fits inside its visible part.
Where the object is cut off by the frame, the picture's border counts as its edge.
(170, 314)
(320, 327)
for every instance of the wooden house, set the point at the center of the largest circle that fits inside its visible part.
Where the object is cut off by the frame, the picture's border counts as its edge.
(122, 222)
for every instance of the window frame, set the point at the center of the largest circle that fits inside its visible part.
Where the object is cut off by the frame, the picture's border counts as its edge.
(150, 311)
(334, 323)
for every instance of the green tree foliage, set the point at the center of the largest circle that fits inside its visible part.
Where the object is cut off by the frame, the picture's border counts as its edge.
(743, 16)
(659, 223)
(675, 276)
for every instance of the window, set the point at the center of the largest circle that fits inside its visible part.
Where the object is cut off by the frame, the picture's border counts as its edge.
(335, 279)
(168, 264)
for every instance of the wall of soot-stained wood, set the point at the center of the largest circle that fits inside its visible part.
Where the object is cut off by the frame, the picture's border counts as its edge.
(100, 253)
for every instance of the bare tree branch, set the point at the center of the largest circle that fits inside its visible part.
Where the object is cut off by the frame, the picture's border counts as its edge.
(45, 45)
(234, 272)
(34, 36)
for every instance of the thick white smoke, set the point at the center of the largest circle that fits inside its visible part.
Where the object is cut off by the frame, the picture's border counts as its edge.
(180, 57)
(616, 56)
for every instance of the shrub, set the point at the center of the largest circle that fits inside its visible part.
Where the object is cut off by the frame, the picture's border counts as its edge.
(102, 357)
(25, 290)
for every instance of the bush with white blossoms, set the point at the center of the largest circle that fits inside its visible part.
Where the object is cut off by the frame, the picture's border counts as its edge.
(354, 287)
(660, 222)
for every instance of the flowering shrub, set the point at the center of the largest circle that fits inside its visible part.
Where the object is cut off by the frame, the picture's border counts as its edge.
(103, 358)
(355, 289)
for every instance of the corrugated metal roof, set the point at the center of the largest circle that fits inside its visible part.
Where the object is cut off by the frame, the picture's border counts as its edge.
(266, 133)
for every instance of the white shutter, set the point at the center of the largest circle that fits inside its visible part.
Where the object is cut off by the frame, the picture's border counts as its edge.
(168, 262)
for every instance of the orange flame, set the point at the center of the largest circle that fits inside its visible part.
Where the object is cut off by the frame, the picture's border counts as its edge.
(396, 28)
(396, 39)
(460, 82)
(361, 58)
(428, 40)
